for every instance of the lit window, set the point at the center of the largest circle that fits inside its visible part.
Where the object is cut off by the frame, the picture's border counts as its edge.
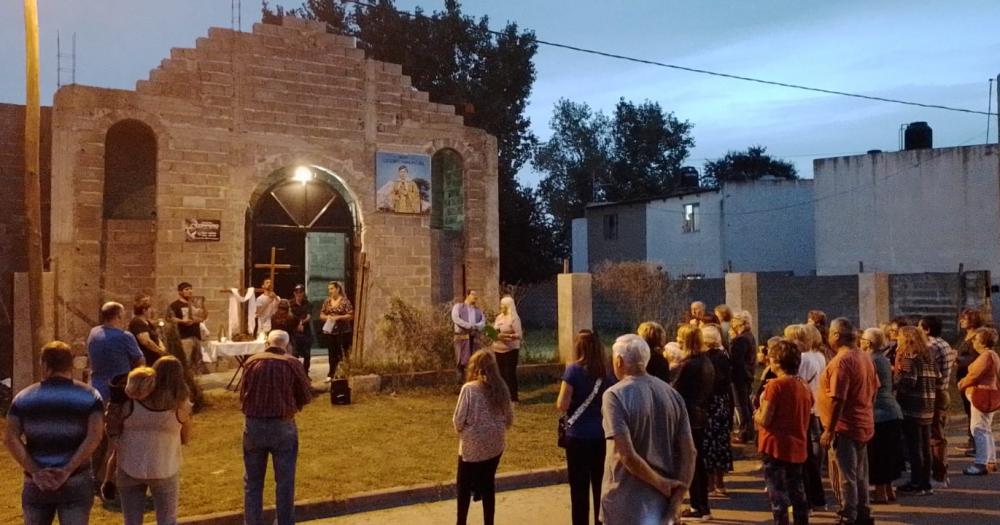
(611, 226)
(692, 222)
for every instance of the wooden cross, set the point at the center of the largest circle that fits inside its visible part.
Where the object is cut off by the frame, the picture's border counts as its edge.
(272, 266)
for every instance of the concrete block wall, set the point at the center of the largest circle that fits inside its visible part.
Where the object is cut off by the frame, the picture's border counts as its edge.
(940, 294)
(234, 111)
(129, 262)
(784, 300)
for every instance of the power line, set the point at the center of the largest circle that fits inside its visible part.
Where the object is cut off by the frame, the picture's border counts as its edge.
(700, 71)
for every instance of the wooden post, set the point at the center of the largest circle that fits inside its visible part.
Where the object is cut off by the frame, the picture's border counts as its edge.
(32, 184)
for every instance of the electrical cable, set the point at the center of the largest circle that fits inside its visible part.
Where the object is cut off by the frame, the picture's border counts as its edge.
(700, 71)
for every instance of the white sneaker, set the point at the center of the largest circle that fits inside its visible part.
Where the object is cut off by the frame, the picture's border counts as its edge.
(940, 484)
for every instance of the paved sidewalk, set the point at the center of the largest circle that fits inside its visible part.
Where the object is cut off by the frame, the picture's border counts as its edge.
(970, 500)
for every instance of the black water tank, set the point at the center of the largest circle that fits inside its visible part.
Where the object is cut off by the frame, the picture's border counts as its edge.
(689, 177)
(918, 135)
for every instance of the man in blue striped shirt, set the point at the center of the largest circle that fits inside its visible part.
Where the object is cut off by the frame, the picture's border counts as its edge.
(53, 428)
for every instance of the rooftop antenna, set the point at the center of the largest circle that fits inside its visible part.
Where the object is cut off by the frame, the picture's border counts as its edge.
(69, 70)
(236, 15)
(989, 109)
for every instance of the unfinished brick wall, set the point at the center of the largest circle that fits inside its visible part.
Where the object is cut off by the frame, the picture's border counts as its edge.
(236, 110)
(13, 257)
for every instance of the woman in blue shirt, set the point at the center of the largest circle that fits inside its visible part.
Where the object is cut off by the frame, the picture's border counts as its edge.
(585, 443)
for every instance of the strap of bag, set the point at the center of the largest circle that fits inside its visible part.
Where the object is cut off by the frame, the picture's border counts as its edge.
(579, 411)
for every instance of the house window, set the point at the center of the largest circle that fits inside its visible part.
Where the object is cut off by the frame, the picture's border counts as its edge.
(611, 226)
(692, 222)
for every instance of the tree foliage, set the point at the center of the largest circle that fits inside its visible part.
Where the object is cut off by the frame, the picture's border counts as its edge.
(488, 75)
(742, 166)
(591, 157)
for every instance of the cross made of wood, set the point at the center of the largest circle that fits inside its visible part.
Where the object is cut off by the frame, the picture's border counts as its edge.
(272, 266)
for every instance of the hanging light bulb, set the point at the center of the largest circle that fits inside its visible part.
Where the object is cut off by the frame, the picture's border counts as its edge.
(302, 174)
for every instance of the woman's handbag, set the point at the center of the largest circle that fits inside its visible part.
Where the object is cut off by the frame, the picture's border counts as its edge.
(565, 423)
(985, 400)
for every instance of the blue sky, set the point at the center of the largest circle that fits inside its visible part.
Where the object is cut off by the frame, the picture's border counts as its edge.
(933, 52)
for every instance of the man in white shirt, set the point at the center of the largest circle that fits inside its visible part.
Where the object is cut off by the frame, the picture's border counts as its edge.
(468, 321)
(267, 306)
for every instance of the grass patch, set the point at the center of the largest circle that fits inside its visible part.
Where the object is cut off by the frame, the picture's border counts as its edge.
(539, 346)
(381, 441)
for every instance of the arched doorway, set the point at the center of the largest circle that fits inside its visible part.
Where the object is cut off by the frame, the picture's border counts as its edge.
(311, 220)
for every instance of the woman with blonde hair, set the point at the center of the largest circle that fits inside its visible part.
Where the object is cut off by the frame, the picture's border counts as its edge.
(718, 447)
(149, 448)
(583, 385)
(656, 337)
(743, 352)
(695, 382)
(812, 363)
(482, 417)
(916, 378)
(508, 343)
(885, 454)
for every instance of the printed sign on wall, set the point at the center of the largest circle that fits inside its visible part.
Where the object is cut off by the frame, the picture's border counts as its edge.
(402, 182)
(198, 230)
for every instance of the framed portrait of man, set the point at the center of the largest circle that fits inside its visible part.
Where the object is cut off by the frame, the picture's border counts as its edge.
(402, 183)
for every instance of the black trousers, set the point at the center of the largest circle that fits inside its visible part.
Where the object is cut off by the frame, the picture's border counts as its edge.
(585, 465)
(918, 446)
(477, 478)
(812, 470)
(303, 348)
(698, 492)
(338, 347)
(741, 398)
(507, 362)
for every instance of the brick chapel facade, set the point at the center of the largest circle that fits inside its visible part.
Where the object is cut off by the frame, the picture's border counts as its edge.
(219, 129)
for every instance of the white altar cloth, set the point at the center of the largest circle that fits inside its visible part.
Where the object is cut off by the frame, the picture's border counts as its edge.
(213, 350)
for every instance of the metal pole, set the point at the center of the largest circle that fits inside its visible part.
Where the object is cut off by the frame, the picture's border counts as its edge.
(32, 184)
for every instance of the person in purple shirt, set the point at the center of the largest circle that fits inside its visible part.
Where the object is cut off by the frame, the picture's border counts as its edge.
(111, 349)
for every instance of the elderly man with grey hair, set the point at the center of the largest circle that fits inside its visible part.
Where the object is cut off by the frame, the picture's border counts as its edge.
(651, 463)
(847, 390)
(274, 388)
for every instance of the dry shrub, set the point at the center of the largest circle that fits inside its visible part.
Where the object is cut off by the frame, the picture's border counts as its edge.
(642, 291)
(417, 338)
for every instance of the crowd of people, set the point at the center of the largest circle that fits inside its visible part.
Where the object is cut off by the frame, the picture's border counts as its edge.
(864, 405)
(644, 429)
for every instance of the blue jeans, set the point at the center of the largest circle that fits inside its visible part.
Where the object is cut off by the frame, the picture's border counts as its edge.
(132, 495)
(280, 439)
(71, 502)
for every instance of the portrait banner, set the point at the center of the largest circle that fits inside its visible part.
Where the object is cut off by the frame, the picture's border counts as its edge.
(402, 183)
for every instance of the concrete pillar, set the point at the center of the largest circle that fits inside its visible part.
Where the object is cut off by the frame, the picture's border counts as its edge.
(741, 294)
(575, 309)
(873, 299)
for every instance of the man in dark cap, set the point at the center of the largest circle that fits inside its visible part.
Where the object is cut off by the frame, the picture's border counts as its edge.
(302, 338)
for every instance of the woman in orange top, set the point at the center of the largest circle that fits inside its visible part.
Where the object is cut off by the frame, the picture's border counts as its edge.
(984, 372)
(783, 434)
